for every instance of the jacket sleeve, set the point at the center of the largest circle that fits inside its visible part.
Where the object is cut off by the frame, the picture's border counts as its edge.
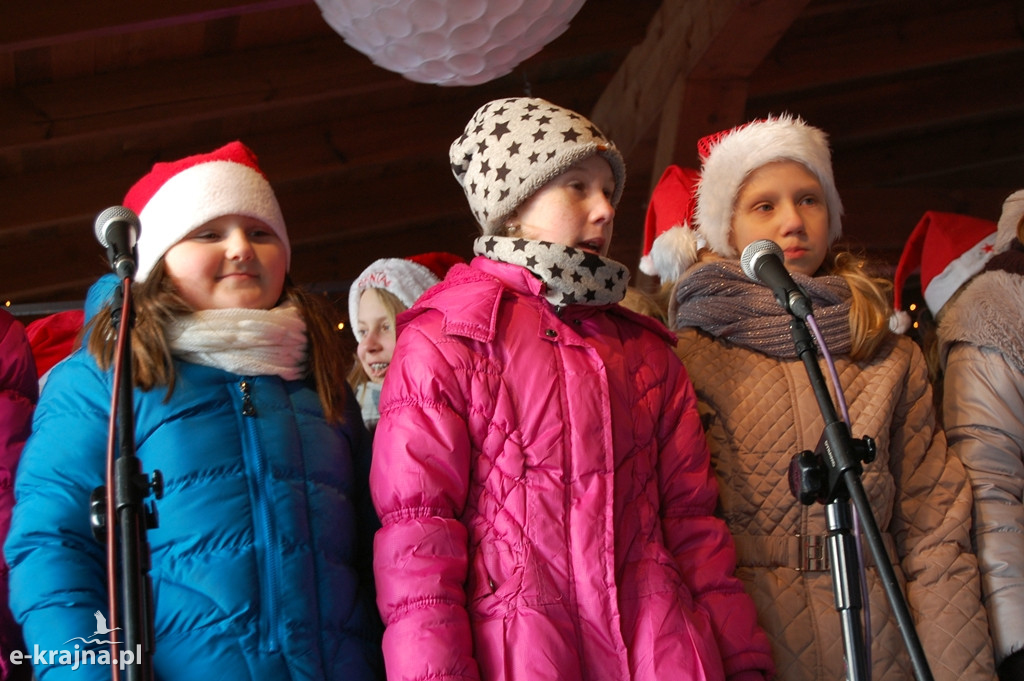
(701, 543)
(18, 395)
(57, 576)
(419, 482)
(984, 415)
(360, 444)
(931, 527)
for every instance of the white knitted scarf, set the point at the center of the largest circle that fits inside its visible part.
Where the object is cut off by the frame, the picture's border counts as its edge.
(243, 341)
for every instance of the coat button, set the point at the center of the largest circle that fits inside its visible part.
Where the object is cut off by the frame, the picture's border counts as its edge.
(550, 333)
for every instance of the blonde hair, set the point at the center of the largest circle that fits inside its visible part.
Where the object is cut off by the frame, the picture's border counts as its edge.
(870, 304)
(392, 306)
(157, 302)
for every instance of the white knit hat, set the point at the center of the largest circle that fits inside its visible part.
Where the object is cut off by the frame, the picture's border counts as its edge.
(728, 157)
(176, 197)
(405, 278)
(513, 147)
(1013, 209)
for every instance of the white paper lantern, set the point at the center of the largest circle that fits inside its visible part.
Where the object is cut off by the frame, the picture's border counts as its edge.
(449, 42)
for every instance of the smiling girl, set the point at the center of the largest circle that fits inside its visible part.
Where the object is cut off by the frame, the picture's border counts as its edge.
(539, 465)
(261, 554)
(380, 292)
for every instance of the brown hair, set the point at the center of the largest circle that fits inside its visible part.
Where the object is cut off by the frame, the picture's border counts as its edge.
(157, 303)
(392, 305)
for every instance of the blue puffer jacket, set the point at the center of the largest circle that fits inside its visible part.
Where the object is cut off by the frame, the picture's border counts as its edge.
(261, 560)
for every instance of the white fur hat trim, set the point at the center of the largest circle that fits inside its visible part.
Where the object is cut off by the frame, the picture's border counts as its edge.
(1013, 209)
(745, 149)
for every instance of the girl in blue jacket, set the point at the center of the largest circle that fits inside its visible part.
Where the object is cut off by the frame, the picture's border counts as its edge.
(261, 557)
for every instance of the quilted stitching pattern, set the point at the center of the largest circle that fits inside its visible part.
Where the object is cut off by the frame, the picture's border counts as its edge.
(758, 413)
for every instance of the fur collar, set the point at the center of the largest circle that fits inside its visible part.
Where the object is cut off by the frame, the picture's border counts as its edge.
(989, 313)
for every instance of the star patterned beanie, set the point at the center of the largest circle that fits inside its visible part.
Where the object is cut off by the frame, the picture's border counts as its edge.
(513, 147)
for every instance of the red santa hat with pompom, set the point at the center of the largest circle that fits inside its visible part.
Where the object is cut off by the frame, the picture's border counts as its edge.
(405, 278)
(948, 249)
(670, 243)
(176, 197)
(705, 201)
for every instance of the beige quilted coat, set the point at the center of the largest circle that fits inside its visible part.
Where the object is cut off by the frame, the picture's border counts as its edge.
(758, 412)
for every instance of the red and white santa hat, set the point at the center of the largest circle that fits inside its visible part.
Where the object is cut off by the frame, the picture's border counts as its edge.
(728, 157)
(405, 278)
(948, 249)
(670, 243)
(176, 197)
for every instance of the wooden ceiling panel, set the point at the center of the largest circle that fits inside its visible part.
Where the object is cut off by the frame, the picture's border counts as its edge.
(920, 99)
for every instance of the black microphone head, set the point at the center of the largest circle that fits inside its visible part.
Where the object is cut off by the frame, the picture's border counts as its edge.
(755, 250)
(112, 215)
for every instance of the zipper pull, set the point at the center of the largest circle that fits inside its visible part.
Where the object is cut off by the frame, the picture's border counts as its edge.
(247, 408)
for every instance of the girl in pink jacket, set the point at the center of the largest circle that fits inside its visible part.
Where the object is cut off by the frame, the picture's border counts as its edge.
(539, 466)
(19, 392)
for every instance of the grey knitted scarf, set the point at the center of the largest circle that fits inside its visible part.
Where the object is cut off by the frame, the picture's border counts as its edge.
(719, 299)
(571, 276)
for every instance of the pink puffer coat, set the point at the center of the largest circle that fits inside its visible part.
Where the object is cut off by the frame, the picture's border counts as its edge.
(19, 391)
(546, 498)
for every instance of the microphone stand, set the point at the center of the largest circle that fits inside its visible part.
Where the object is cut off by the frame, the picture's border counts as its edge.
(126, 510)
(831, 476)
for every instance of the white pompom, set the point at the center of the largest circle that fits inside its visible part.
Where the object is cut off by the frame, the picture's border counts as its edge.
(899, 322)
(671, 253)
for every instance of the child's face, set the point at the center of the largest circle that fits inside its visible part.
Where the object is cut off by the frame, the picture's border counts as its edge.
(783, 202)
(229, 262)
(376, 330)
(573, 209)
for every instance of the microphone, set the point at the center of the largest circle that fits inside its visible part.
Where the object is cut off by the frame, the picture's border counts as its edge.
(762, 261)
(117, 229)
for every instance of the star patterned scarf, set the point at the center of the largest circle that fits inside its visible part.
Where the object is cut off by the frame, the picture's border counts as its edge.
(571, 276)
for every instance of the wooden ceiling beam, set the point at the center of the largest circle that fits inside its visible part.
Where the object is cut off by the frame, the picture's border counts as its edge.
(887, 39)
(894, 106)
(690, 73)
(57, 22)
(711, 39)
(712, 95)
(198, 89)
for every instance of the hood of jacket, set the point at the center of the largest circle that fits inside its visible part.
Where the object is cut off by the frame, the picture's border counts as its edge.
(988, 314)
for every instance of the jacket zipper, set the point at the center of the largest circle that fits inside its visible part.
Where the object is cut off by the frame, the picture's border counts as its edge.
(271, 585)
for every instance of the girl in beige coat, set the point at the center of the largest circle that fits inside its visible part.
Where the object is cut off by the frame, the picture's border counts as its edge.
(772, 179)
